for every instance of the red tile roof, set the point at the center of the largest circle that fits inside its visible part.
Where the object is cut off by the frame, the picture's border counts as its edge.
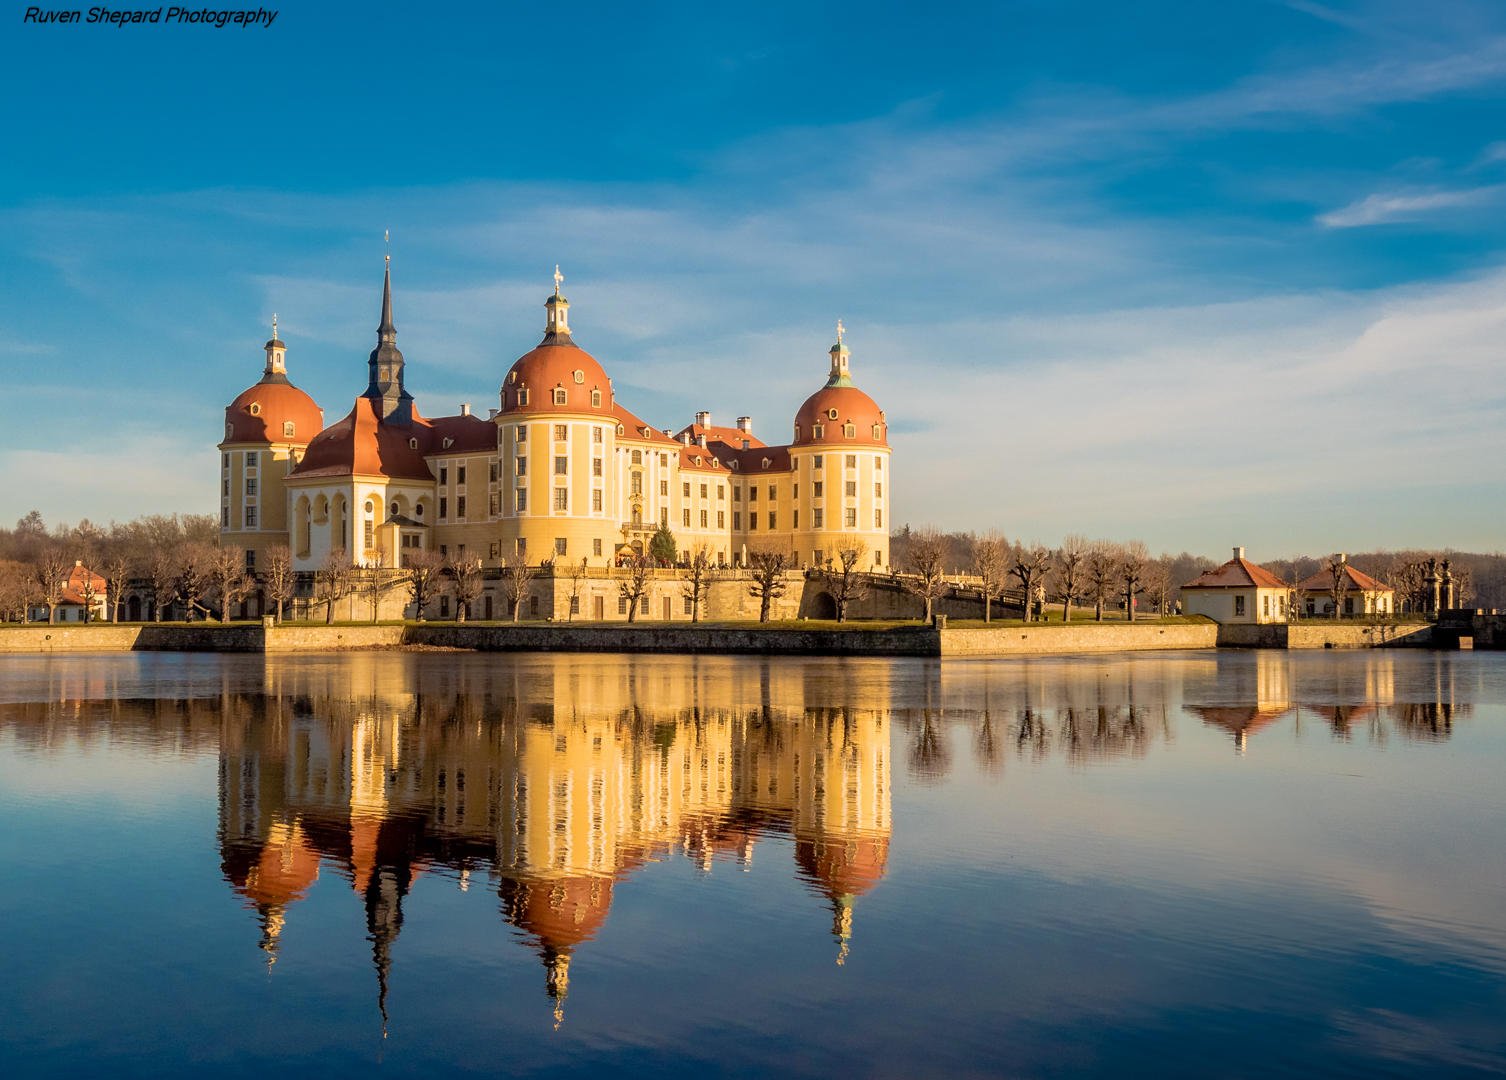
(1237, 574)
(1355, 581)
(732, 437)
(73, 589)
(361, 445)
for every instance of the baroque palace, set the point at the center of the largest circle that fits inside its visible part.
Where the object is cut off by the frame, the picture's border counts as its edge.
(558, 471)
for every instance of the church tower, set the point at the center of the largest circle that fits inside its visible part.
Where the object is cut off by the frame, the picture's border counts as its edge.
(393, 403)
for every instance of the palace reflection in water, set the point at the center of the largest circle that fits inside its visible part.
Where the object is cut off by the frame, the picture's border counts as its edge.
(554, 780)
(554, 789)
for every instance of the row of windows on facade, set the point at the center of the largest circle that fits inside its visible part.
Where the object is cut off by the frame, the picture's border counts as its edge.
(1373, 606)
(288, 428)
(560, 396)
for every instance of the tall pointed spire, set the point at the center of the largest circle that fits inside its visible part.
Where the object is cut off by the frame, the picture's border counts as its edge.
(385, 386)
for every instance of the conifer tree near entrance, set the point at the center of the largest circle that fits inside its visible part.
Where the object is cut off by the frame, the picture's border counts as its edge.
(662, 546)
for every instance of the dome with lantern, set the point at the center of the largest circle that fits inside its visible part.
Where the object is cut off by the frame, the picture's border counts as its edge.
(839, 412)
(558, 375)
(274, 410)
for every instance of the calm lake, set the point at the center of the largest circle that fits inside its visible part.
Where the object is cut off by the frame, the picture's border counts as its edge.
(1180, 864)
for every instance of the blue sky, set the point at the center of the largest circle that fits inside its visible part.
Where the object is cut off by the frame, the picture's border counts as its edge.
(1199, 274)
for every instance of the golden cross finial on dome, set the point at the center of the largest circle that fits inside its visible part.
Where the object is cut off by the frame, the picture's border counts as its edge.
(387, 239)
(274, 326)
(558, 277)
(839, 331)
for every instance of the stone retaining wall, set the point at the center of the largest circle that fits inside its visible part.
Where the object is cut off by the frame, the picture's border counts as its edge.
(554, 637)
(1318, 634)
(1077, 638)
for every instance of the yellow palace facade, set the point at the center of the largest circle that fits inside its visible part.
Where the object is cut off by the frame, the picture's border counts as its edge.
(559, 471)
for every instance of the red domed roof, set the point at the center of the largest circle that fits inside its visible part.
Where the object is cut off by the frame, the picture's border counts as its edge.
(259, 414)
(552, 366)
(851, 406)
(843, 865)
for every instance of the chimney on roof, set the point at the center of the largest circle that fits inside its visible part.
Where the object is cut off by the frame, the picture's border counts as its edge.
(745, 425)
(700, 440)
(491, 414)
(703, 419)
(1239, 553)
(1341, 557)
(684, 438)
(465, 410)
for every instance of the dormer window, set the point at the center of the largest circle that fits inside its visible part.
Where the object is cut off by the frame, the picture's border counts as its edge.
(818, 431)
(229, 430)
(767, 463)
(580, 376)
(255, 409)
(877, 433)
(698, 461)
(287, 429)
(559, 396)
(797, 432)
(595, 399)
(831, 414)
(522, 398)
(512, 376)
(850, 431)
(621, 431)
(412, 444)
(447, 443)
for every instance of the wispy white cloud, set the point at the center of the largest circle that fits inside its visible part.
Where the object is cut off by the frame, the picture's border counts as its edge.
(1385, 208)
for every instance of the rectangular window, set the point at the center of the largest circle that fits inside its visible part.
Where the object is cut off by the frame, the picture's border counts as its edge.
(795, 521)
(685, 489)
(664, 488)
(622, 605)
(703, 491)
(1239, 605)
(596, 500)
(460, 507)
(704, 516)
(250, 459)
(752, 522)
(575, 605)
(815, 461)
(251, 486)
(562, 498)
(687, 517)
(773, 520)
(596, 545)
(522, 433)
(460, 474)
(816, 489)
(752, 493)
(561, 432)
(878, 463)
(852, 461)
(596, 466)
(636, 485)
(664, 516)
(250, 517)
(368, 535)
(522, 466)
(1265, 605)
(737, 493)
(878, 491)
(721, 492)
(878, 519)
(688, 605)
(561, 466)
(643, 609)
(444, 508)
(816, 518)
(522, 400)
(522, 501)
(522, 545)
(251, 560)
(224, 517)
(444, 476)
(494, 472)
(663, 460)
(494, 551)
(444, 607)
(773, 492)
(496, 504)
(850, 518)
(561, 545)
(596, 435)
(227, 461)
(737, 520)
(721, 519)
(852, 489)
(795, 491)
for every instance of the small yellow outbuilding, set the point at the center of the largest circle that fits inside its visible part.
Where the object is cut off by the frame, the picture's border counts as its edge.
(1237, 592)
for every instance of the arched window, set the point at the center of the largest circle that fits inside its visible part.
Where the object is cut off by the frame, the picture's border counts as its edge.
(287, 429)
(522, 398)
(595, 399)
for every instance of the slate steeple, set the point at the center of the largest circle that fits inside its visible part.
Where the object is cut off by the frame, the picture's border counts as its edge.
(393, 402)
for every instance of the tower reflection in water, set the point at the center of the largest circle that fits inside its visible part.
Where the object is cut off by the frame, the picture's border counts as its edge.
(555, 783)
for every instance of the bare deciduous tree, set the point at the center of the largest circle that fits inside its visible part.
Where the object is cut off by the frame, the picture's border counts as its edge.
(1134, 557)
(374, 580)
(767, 565)
(1100, 573)
(88, 584)
(636, 585)
(991, 564)
(230, 580)
(1338, 573)
(196, 565)
(926, 559)
(277, 572)
(842, 573)
(162, 572)
(332, 582)
(422, 573)
(700, 571)
(575, 584)
(52, 569)
(118, 568)
(1030, 566)
(465, 576)
(1071, 566)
